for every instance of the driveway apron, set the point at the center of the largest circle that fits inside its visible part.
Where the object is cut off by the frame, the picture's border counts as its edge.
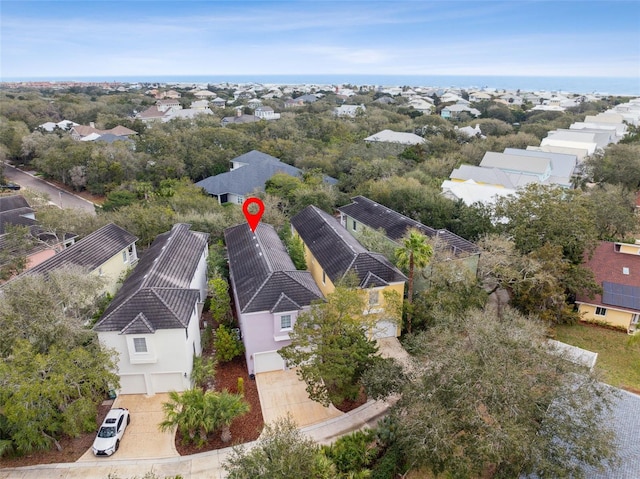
(282, 393)
(142, 439)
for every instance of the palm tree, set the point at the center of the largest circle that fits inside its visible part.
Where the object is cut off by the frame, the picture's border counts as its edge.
(185, 412)
(197, 413)
(229, 406)
(415, 252)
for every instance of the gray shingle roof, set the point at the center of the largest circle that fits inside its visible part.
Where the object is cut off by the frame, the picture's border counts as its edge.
(159, 285)
(8, 203)
(262, 274)
(15, 217)
(242, 181)
(338, 252)
(376, 216)
(90, 252)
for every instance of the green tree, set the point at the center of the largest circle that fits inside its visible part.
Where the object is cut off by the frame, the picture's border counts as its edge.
(614, 211)
(226, 344)
(220, 303)
(491, 399)
(46, 395)
(329, 346)
(541, 282)
(197, 414)
(281, 452)
(48, 311)
(541, 214)
(415, 252)
(17, 243)
(618, 165)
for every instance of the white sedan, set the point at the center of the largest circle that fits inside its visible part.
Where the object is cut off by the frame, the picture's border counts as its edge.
(110, 433)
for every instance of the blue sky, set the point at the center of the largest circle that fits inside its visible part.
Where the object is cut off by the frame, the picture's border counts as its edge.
(41, 39)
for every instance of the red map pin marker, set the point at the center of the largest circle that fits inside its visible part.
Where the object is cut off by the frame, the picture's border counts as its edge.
(253, 218)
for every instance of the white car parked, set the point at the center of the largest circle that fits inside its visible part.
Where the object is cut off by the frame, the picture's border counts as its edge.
(110, 433)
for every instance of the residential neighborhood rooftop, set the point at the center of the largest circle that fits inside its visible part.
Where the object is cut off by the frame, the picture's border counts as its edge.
(157, 294)
(376, 216)
(339, 253)
(89, 253)
(263, 275)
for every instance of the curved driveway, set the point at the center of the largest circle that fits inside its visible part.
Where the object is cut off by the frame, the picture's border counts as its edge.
(59, 197)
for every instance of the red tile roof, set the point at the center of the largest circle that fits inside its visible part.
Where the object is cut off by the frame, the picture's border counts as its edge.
(607, 265)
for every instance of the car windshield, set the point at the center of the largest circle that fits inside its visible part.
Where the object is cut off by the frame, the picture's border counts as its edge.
(107, 432)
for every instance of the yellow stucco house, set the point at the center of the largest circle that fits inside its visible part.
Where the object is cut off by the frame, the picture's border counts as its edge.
(107, 252)
(332, 253)
(616, 267)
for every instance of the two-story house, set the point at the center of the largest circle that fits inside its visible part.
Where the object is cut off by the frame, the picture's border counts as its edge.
(108, 252)
(153, 322)
(332, 254)
(364, 213)
(268, 292)
(616, 267)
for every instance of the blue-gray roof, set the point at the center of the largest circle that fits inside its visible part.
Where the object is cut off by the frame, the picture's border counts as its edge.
(242, 181)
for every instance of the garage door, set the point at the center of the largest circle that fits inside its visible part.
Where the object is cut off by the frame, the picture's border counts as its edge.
(165, 382)
(132, 384)
(385, 329)
(267, 361)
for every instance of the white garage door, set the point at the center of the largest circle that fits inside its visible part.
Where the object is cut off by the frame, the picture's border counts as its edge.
(385, 329)
(132, 384)
(268, 361)
(165, 382)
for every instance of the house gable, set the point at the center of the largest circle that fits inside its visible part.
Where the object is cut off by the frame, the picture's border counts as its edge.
(262, 274)
(337, 251)
(376, 216)
(160, 286)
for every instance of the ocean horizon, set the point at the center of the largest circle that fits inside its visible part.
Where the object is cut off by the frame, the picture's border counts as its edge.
(626, 86)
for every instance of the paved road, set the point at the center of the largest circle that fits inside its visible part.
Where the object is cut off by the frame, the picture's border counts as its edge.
(56, 195)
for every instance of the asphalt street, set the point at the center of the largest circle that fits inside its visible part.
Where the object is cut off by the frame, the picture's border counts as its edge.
(56, 195)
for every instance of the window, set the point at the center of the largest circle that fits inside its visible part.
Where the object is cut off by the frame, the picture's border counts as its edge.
(374, 297)
(285, 321)
(601, 311)
(324, 278)
(124, 256)
(140, 345)
(240, 200)
(355, 225)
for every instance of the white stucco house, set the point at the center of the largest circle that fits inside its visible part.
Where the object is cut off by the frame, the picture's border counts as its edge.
(153, 321)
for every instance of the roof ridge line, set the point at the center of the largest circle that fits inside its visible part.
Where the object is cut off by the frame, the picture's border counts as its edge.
(161, 299)
(257, 291)
(334, 229)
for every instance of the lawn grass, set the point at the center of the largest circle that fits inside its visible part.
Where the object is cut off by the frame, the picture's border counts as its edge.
(618, 362)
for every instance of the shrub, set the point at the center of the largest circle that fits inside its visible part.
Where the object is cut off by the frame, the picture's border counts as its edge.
(353, 452)
(227, 344)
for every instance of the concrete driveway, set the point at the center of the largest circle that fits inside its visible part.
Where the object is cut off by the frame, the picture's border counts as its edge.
(282, 393)
(142, 439)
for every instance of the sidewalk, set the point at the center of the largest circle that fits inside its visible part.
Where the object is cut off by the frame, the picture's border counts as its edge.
(205, 465)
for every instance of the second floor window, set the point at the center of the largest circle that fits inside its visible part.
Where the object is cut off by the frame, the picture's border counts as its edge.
(285, 321)
(374, 297)
(140, 345)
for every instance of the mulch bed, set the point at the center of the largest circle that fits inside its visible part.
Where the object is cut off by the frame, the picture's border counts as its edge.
(245, 428)
(349, 405)
(72, 448)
